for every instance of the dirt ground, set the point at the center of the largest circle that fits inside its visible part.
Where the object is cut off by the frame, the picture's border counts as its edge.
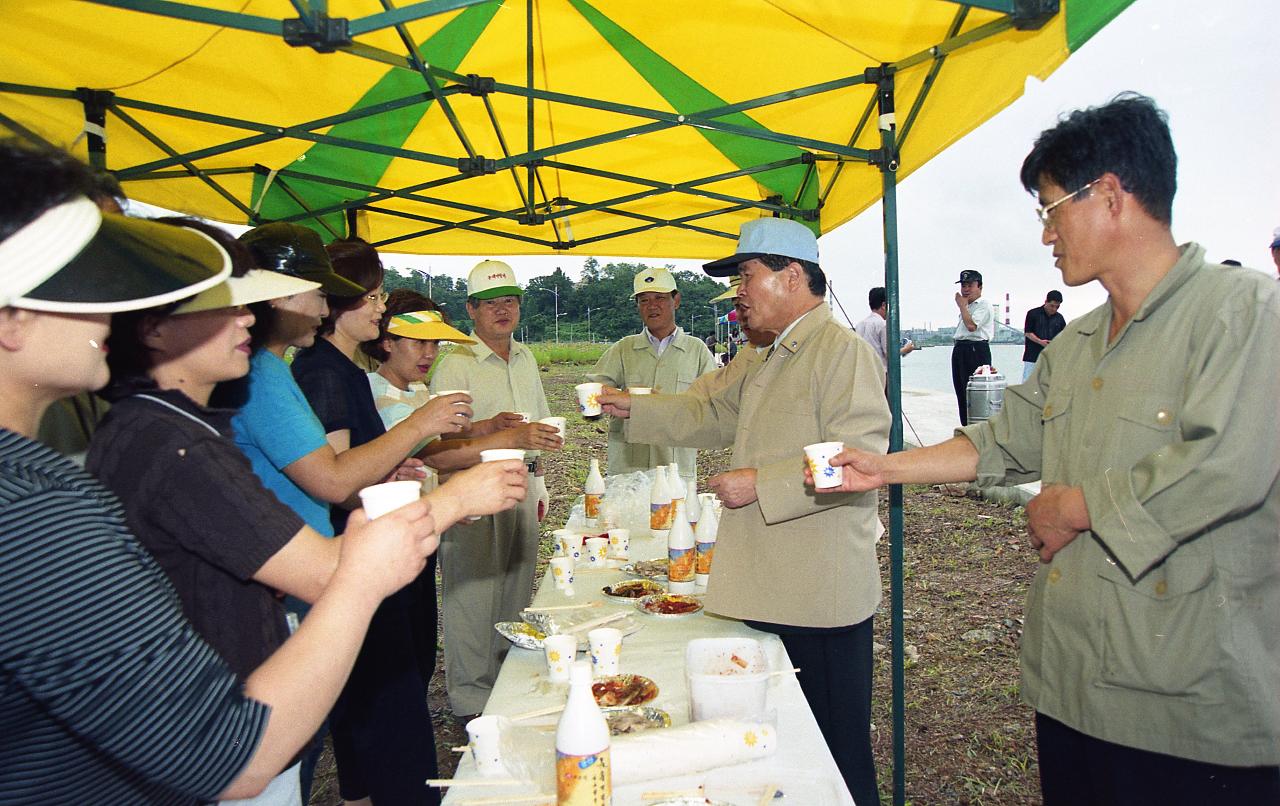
(969, 740)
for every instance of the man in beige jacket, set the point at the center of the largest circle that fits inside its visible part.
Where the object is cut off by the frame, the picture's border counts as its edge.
(788, 561)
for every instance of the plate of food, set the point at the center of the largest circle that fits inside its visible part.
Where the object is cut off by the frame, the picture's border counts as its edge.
(632, 589)
(624, 719)
(669, 605)
(623, 689)
(648, 569)
(523, 635)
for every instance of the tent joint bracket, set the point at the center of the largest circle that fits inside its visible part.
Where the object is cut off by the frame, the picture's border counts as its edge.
(479, 85)
(476, 166)
(323, 34)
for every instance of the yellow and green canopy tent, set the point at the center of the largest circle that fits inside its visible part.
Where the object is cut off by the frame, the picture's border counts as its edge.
(491, 127)
(526, 126)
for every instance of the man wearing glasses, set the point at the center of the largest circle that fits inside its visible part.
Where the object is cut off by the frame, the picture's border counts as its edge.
(1150, 650)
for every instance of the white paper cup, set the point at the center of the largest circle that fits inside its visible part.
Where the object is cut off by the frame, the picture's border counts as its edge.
(606, 650)
(639, 390)
(524, 416)
(569, 544)
(597, 551)
(379, 499)
(485, 733)
(501, 454)
(620, 544)
(562, 572)
(466, 392)
(560, 651)
(589, 399)
(557, 422)
(817, 456)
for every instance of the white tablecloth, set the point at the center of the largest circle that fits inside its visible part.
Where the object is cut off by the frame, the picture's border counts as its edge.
(802, 767)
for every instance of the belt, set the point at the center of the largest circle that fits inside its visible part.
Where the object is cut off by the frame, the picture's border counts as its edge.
(970, 341)
(532, 467)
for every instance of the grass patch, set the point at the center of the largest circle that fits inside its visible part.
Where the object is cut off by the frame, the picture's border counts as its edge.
(566, 352)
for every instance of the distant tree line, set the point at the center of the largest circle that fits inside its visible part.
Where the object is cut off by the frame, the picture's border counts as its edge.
(603, 290)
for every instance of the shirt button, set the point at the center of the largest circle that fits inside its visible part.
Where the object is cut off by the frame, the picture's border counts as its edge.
(1161, 587)
(1048, 411)
(1164, 417)
(1055, 575)
(1097, 384)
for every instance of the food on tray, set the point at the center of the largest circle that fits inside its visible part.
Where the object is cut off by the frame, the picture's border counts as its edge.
(635, 718)
(739, 662)
(633, 589)
(623, 689)
(670, 604)
(649, 569)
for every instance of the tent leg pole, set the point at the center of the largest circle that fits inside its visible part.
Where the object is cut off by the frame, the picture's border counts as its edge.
(95, 104)
(889, 209)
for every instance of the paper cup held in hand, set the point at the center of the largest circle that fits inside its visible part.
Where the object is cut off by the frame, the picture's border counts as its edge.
(501, 454)
(380, 499)
(485, 733)
(589, 399)
(818, 457)
(558, 423)
(606, 650)
(639, 390)
(560, 651)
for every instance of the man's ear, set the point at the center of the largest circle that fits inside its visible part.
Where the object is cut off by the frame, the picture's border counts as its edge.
(152, 330)
(14, 326)
(675, 300)
(796, 278)
(1112, 191)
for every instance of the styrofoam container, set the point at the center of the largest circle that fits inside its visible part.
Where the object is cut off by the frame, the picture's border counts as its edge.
(727, 678)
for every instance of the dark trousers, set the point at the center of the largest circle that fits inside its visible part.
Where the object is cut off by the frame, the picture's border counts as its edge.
(966, 356)
(1078, 769)
(835, 675)
(381, 724)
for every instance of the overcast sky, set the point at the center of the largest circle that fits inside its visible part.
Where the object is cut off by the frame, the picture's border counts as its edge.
(1213, 66)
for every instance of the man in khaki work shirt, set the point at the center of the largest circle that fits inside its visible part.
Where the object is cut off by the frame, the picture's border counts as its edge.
(662, 357)
(1151, 652)
(787, 561)
(487, 566)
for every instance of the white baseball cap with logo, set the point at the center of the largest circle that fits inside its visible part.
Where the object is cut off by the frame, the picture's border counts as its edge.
(492, 278)
(659, 280)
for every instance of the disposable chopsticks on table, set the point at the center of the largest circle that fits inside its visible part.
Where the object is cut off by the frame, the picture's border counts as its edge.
(539, 798)
(562, 607)
(468, 782)
(669, 794)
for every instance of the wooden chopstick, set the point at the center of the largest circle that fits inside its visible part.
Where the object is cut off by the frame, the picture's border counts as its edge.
(539, 798)
(561, 607)
(586, 625)
(461, 782)
(783, 671)
(700, 792)
(767, 796)
(555, 709)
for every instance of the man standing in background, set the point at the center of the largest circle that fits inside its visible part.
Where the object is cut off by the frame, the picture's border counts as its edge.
(1043, 323)
(661, 357)
(487, 566)
(974, 331)
(873, 328)
(1275, 250)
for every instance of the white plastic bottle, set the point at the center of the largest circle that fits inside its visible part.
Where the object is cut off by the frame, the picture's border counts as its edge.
(582, 746)
(675, 482)
(593, 494)
(693, 507)
(705, 536)
(681, 553)
(660, 504)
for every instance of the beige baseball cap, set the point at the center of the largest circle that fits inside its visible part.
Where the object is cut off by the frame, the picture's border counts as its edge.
(732, 293)
(492, 278)
(651, 279)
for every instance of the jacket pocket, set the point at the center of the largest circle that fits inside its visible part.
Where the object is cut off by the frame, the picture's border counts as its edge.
(1145, 425)
(1162, 633)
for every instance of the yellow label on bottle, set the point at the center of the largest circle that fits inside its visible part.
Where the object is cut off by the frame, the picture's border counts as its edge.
(660, 516)
(592, 504)
(680, 564)
(705, 553)
(583, 780)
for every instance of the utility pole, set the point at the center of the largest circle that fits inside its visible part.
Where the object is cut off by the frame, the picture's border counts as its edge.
(589, 336)
(556, 292)
(426, 274)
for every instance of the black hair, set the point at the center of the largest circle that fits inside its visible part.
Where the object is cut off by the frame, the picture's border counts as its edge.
(357, 261)
(876, 297)
(1128, 137)
(817, 280)
(1233, 262)
(402, 300)
(1053, 296)
(128, 357)
(36, 179)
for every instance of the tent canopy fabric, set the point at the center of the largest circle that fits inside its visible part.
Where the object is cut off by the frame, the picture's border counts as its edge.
(520, 127)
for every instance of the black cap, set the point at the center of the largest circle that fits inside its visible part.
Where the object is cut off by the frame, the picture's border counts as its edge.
(970, 276)
(297, 251)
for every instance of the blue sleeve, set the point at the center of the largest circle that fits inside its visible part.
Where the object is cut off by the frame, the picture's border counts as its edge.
(278, 419)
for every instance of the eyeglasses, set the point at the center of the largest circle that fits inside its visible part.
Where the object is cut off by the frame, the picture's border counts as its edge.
(377, 296)
(1043, 213)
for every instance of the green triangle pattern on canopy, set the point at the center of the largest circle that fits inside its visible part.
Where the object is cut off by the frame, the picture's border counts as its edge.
(446, 48)
(688, 97)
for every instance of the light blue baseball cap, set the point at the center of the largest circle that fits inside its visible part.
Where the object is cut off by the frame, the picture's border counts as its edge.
(767, 236)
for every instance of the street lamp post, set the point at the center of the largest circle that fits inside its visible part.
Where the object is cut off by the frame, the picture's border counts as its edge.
(589, 336)
(426, 274)
(556, 292)
(715, 319)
